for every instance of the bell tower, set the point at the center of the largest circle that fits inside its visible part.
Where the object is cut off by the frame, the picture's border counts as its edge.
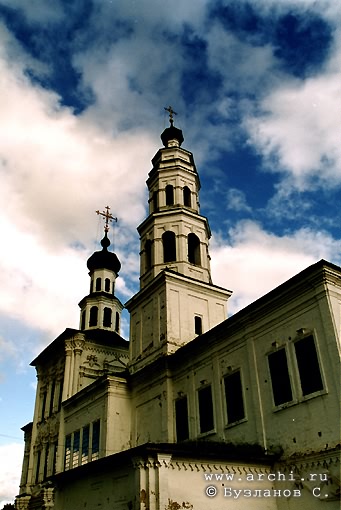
(177, 300)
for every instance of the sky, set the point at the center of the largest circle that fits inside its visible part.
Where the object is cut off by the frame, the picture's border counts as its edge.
(83, 86)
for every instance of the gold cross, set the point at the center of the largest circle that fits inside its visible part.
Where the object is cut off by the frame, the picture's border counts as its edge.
(171, 113)
(108, 218)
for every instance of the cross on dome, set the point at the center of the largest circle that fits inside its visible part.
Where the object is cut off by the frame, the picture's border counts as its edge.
(171, 113)
(108, 217)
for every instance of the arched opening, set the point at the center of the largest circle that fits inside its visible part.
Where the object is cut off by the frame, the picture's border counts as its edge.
(91, 285)
(93, 316)
(107, 312)
(117, 322)
(107, 285)
(148, 254)
(169, 247)
(169, 195)
(98, 284)
(194, 249)
(187, 197)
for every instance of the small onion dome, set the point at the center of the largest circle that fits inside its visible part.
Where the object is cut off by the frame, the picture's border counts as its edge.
(104, 259)
(172, 133)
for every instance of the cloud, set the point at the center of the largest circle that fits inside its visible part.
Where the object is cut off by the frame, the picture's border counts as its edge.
(236, 200)
(297, 131)
(10, 471)
(256, 261)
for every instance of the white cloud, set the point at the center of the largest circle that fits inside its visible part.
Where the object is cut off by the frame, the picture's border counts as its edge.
(11, 456)
(297, 131)
(255, 261)
(236, 200)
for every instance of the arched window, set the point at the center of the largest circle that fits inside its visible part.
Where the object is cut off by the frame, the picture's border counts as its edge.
(194, 249)
(169, 249)
(98, 283)
(117, 322)
(83, 320)
(93, 316)
(187, 197)
(107, 285)
(155, 201)
(91, 285)
(169, 195)
(107, 317)
(148, 254)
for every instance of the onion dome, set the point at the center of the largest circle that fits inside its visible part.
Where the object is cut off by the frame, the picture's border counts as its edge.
(104, 259)
(172, 133)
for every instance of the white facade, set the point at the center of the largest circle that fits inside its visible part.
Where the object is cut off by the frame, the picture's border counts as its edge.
(198, 411)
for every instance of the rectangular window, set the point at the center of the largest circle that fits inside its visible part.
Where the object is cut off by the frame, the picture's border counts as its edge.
(308, 365)
(234, 397)
(53, 390)
(43, 405)
(38, 466)
(181, 419)
(67, 456)
(280, 380)
(75, 450)
(54, 459)
(95, 440)
(85, 444)
(206, 418)
(198, 325)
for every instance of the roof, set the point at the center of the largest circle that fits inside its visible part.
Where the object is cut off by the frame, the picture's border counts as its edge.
(98, 336)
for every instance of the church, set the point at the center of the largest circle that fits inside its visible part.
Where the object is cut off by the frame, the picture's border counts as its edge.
(198, 410)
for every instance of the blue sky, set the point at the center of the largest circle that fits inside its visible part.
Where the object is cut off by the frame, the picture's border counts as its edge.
(83, 89)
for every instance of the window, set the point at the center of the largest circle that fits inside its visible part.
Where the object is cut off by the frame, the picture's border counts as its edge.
(206, 419)
(234, 397)
(60, 396)
(83, 320)
(98, 284)
(181, 419)
(95, 440)
(91, 285)
(148, 254)
(187, 196)
(77, 446)
(38, 460)
(107, 285)
(46, 462)
(93, 316)
(75, 451)
(169, 251)
(67, 457)
(308, 365)
(193, 242)
(117, 322)
(198, 325)
(169, 195)
(85, 444)
(43, 405)
(107, 312)
(280, 380)
(155, 201)
(53, 391)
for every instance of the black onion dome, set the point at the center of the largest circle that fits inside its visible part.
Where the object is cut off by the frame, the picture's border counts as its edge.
(172, 133)
(104, 259)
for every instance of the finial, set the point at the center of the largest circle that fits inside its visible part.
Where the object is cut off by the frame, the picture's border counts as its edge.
(171, 113)
(108, 218)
